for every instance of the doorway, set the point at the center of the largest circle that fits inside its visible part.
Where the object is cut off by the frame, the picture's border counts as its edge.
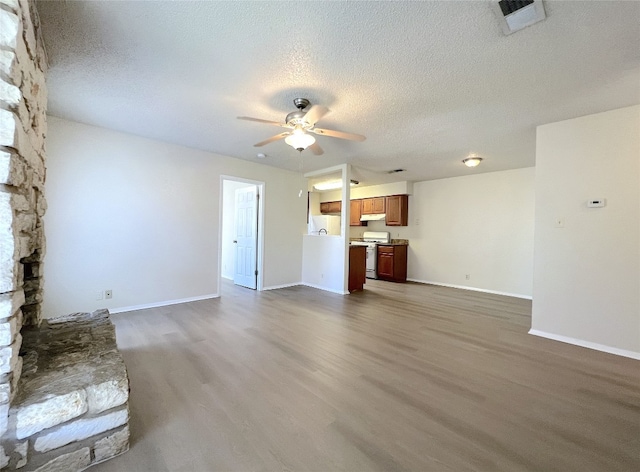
(241, 235)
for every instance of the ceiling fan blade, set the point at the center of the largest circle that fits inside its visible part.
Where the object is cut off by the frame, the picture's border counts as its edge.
(274, 123)
(338, 134)
(272, 139)
(315, 113)
(316, 149)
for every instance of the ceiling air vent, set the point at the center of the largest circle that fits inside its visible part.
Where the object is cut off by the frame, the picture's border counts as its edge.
(395, 171)
(515, 15)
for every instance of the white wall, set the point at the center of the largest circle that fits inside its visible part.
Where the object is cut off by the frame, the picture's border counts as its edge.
(325, 258)
(228, 253)
(141, 217)
(324, 262)
(587, 273)
(481, 225)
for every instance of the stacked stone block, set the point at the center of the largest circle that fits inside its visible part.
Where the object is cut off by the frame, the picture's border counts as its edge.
(23, 101)
(71, 407)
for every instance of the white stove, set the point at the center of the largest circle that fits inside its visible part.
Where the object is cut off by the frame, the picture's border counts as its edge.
(371, 239)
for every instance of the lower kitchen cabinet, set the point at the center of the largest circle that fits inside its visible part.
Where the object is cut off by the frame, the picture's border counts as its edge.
(392, 262)
(357, 267)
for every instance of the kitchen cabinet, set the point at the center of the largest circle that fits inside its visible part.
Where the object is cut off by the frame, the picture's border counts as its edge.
(331, 207)
(397, 213)
(357, 267)
(373, 206)
(355, 213)
(392, 262)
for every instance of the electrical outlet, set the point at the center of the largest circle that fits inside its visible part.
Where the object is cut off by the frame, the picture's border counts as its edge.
(99, 295)
(468, 276)
(108, 294)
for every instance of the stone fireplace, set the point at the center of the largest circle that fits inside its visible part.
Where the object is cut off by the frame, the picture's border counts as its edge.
(63, 385)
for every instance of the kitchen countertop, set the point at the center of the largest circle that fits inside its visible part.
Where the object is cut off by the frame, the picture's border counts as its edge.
(394, 242)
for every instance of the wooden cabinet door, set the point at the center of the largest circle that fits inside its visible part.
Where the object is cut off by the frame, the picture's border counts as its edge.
(330, 207)
(373, 206)
(397, 210)
(392, 263)
(367, 206)
(355, 213)
(378, 205)
(385, 262)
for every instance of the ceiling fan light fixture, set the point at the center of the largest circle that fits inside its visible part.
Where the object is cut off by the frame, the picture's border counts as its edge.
(300, 123)
(299, 140)
(472, 161)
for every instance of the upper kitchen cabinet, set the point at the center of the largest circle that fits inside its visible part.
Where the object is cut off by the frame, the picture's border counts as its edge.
(373, 206)
(397, 210)
(331, 207)
(355, 213)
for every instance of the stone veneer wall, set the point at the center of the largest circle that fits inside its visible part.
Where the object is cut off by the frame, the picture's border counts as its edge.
(23, 101)
(63, 384)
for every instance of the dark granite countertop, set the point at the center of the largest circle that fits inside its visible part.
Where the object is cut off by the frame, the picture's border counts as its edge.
(394, 242)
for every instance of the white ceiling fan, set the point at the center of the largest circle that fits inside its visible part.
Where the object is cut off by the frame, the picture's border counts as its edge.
(300, 123)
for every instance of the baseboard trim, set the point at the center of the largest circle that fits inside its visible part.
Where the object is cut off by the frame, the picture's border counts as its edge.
(276, 287)
(474, 289)
(339, 292)
(587, 344)
(163, 303)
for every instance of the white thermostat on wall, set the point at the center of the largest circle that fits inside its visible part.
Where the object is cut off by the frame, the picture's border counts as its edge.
(596, 203)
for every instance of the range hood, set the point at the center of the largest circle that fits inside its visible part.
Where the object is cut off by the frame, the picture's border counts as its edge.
(377, 217)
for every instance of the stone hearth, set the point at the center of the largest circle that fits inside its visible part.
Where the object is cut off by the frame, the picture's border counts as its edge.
(70, 410)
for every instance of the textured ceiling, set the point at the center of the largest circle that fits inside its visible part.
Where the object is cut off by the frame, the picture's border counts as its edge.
(427, 82)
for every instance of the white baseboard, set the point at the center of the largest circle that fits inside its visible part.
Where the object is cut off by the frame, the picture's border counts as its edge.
(339, 292)
(474, 289)
(276, 287)
(587, 344)
(163, 303)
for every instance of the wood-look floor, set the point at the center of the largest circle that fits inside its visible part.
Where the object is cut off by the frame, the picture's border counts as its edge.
(398, 377)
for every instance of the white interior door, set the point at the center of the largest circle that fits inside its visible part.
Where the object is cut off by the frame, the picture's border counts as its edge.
(246, 237)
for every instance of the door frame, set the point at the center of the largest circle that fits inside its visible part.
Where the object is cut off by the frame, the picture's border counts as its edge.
(260, 246)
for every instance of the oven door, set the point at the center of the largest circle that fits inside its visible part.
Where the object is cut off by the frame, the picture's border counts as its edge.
(372, 261)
